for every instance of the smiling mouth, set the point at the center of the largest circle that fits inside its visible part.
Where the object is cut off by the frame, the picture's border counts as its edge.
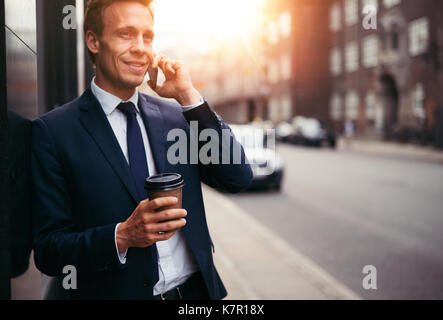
(136, 67)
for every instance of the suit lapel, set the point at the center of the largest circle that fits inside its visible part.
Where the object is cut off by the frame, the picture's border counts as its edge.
(94, 120)
(155, 127)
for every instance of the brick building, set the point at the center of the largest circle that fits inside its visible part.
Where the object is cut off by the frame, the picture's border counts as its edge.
(385, 67)
(282, 71)
(377, 63)
(297, 63)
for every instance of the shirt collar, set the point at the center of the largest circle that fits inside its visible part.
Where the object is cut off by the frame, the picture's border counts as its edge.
(108, 101)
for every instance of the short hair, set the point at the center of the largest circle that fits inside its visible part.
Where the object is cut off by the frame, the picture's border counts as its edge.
(94, 16)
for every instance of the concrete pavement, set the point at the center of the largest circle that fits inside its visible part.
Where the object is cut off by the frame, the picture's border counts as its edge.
(256, 263)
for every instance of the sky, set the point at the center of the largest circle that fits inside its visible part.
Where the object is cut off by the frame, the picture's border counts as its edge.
(191, 24)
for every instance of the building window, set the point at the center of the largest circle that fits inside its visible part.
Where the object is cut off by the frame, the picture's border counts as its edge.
(390, 3)
(285, 65)
(335, 62)
(274, 106)
(370, 51)
(285, 24)
(370, 101)
(286, 107)
(351, 57)
(272, 71)
(272, 32)
(395, 40)
(351, 12)
(372, 3)
(335, 17)
(418, 36)
(352, 102)
(378, 117)
(418, 101)
(335, 107)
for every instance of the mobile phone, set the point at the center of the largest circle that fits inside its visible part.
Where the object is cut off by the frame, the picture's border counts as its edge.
(153, 75)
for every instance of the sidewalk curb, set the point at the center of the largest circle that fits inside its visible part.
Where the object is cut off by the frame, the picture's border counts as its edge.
(320, 283)
(392, 149)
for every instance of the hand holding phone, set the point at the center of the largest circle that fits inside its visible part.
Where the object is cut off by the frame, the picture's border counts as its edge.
(153, 76)
(177, 83)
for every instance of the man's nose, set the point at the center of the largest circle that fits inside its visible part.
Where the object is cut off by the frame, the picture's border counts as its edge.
(139, 45)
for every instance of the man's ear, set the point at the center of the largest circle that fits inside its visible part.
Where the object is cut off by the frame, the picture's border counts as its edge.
(92, 41)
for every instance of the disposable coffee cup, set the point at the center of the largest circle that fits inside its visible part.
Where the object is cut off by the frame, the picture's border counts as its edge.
(165, 185)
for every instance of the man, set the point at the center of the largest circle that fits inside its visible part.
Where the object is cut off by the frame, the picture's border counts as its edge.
(90, 209)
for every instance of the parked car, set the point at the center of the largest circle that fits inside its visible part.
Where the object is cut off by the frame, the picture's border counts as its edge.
(284, 131)
(267, 166)
(311, 132)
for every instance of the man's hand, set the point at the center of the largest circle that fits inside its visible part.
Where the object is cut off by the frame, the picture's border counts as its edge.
(178, 84)
(145, 226)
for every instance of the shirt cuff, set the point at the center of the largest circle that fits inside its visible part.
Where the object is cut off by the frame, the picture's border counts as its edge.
(192, 106)
(121, 256)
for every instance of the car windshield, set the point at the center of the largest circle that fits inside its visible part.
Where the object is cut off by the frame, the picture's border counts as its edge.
(311, 125)
(249, 137)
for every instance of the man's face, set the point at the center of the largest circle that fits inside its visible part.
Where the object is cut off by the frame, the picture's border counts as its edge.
(125, 46)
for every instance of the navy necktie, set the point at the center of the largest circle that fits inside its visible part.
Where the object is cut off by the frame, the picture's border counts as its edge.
(136, 148)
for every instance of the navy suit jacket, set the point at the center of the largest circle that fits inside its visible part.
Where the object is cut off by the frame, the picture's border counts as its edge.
(83, 187)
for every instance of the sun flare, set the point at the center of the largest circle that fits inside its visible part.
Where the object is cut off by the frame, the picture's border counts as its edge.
(207, 18)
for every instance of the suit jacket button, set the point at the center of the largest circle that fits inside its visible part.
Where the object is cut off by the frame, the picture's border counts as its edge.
(146, 283)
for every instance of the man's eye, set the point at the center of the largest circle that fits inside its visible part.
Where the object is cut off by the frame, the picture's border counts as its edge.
(125, 34)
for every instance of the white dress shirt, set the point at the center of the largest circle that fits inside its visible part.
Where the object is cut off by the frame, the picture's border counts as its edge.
(175, 260)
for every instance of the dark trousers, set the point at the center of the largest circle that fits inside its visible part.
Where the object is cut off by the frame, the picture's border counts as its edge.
(193, 289)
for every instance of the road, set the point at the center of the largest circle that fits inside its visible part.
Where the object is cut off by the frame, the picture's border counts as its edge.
(346, 210)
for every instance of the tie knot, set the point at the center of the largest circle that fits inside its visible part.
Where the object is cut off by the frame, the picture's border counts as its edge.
(127, 108)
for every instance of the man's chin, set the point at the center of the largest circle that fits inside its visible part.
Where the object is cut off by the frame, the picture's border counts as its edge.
(133, 82)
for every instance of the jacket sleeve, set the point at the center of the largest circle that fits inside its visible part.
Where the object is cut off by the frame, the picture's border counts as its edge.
(230, 171)
(58, 241)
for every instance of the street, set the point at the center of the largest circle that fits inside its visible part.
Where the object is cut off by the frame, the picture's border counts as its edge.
(346, 210)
